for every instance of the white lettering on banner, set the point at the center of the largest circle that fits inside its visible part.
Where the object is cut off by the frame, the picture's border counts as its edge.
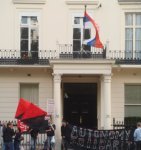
(23, 127)
(119, 139)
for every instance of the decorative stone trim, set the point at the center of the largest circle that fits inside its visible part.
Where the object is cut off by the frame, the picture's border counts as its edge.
(82, 2)
(29, 1)
(129, 2)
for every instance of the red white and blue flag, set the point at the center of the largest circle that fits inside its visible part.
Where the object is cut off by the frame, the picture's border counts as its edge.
(94, 40)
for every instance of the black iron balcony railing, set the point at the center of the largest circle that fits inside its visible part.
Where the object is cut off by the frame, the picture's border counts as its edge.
(42, 57)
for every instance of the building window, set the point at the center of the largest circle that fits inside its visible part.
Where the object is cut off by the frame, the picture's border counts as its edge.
(133, 35)
(29, 36)
(79, 34)
(30, 92)
(132, 100)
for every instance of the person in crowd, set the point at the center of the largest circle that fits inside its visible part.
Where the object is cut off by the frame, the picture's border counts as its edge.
(137, 136)
(34, 135)
(3, 127)
(8, 133)
(17, 140)
(65, 133)
(50, 142)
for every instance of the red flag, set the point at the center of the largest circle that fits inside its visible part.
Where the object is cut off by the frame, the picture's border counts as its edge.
(33, 111)
(23, 127)
(31, 115)
(22, 108)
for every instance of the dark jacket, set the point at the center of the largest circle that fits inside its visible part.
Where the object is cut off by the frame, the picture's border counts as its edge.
(34, 133)
(51, 132)
(17, 137)
(8, 134)
(65, 132)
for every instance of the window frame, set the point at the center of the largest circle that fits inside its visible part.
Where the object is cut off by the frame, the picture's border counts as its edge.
(134, 53)
(30, 27)
(131, 104)
(26, 83)
(29, 14)
(79, 15)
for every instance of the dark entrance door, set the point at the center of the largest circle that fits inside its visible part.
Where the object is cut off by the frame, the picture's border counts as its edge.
(80, 104)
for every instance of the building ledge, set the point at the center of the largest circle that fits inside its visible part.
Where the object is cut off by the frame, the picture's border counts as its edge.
(82, 2)
(29, 1)
(129, 2)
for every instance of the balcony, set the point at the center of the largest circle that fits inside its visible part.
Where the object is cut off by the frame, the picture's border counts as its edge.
(65, 52)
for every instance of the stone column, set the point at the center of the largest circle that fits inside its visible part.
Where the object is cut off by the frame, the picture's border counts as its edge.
(101, 104)
(107, 101)
(57, 106)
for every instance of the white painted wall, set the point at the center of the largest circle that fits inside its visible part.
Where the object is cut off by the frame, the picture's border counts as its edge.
(10, 89)
(119, 79)
(56, 22)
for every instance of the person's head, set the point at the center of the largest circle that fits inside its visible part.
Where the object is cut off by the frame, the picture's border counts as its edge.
(4, 124)
(49, 120)
(139, 124)
(64, 123)
(10, 125)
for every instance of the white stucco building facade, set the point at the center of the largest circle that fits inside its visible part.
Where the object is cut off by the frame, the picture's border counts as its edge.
(41, 59)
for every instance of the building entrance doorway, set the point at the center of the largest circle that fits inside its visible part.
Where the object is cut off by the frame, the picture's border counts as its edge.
(80, 104)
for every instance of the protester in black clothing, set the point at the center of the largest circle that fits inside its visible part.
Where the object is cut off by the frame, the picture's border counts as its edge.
(17, 140)
(50, 142)
(34, 135)
(8, 134)
(65, 133)
(4, 125)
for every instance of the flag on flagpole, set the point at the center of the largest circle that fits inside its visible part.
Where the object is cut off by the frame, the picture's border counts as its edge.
(95, 40)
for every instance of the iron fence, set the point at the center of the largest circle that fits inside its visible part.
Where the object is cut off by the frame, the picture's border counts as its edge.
(127, 123)
(26, 140)
(66, 51)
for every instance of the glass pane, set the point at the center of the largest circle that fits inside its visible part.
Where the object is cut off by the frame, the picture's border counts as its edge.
(128, 19)
(34, 34)
(138, 34)
(87, 34)
(129, 45)
(76, 33)
(138, 43)
(34, 45)
(128, 42)
(76, 45)
(133, 94)
(24, 20)
(128, 33)
(77, 20)
(130, 109)
(24, 33)
(138, 19)
(24, 45)
(30, 92)
(34, 21)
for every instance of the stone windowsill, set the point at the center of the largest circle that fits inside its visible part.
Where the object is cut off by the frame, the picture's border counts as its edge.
(29, 1)
(82, 2)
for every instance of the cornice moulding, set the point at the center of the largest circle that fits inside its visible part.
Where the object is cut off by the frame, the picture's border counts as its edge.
(29, 1)
(129, 2)
(82, 2)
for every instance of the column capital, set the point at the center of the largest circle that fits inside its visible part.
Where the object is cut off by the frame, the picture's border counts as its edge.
(106, 78)
(57, 77)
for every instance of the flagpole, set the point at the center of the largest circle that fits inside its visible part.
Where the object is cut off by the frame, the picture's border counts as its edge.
(83, 38)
